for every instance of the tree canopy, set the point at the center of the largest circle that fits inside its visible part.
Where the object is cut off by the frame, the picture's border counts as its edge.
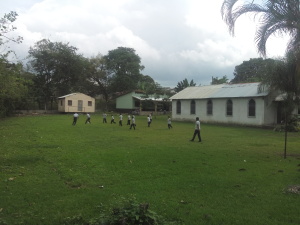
(124, 68)
(59, 69)
(7, 27)
(13, 85)
(216, 80)
(253, 70)
(183, 84)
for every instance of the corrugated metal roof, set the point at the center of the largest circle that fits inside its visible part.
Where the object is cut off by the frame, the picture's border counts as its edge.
(220, 91)
(67, 95)
(151, 99)
(72, 95)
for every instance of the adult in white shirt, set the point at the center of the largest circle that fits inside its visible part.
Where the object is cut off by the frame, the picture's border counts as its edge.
(197, 130)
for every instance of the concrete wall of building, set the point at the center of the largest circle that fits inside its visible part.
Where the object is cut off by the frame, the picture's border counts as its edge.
(264, 115)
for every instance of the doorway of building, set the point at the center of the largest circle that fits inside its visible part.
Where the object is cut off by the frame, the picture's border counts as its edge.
(80, 105)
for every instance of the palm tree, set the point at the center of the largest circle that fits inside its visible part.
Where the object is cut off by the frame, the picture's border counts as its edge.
(281, 78)
(275, 17)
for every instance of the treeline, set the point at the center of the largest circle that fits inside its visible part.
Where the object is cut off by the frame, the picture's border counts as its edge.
(55, 69)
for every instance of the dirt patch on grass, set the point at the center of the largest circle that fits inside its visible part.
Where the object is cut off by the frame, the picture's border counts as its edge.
(295, 189)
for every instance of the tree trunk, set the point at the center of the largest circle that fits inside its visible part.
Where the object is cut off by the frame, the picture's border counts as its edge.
(285, 136)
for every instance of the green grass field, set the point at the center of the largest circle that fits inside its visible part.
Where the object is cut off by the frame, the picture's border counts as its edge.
(51, 170)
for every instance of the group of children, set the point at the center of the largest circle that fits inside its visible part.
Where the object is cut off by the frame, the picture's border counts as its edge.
(131, 122)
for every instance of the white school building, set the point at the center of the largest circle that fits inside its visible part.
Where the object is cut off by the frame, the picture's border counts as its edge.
(229, 104)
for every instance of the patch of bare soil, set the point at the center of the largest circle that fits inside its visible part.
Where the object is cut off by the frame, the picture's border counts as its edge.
(295, 189)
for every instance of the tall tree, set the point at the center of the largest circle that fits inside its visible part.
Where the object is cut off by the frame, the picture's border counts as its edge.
(252, 70)
(275, 17)
(183, 84)
(124, 67)
(281, 78)
(59, 70)
(147, 84)
(13, 86)
(99, 76)
(6, 27)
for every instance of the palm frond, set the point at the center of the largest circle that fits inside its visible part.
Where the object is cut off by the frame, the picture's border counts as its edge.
(275, 17)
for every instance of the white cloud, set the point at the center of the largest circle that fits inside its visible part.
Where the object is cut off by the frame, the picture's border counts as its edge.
(175, 39)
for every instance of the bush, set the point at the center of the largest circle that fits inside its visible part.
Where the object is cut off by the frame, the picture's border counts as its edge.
(127, 212)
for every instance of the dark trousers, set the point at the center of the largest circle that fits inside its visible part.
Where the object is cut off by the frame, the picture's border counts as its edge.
(88, 120)
(74, 121)
(104, 120)
(120, 123)
(132, 125)
(128, 122)
(197, 132)
(170, 126)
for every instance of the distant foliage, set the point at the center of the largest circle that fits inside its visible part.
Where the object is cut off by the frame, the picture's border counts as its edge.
(184, 84)
(253, 70)
(216, 80)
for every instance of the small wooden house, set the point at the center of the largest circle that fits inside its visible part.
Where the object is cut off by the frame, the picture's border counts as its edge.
(76, 102)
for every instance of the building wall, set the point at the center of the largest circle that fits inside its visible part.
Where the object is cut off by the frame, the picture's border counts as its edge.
(263, 116)
(63, 105)
(125, 101)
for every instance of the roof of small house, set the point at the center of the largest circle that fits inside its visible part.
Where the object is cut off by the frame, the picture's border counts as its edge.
(72, 95)
(220, 91)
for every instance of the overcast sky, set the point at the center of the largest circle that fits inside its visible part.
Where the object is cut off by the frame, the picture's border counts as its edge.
(175, 39)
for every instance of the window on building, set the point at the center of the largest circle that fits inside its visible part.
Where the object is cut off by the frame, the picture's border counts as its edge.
(209, 107)
(69, 102)
(193, 107)
(251, 108)
(229, 107)
(61, 102)
(178, 107)
(90, 103)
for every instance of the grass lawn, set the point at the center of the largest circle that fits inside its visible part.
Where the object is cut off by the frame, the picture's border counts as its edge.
(51, 170)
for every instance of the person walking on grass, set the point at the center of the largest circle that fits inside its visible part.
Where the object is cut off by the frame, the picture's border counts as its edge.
(104, 117)
(197, 130)
(112, 119)
(149, 120)
(128, 119)
(132, 123)
(169, 123)
(75, 117)
(88, 118)
(121, 119)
